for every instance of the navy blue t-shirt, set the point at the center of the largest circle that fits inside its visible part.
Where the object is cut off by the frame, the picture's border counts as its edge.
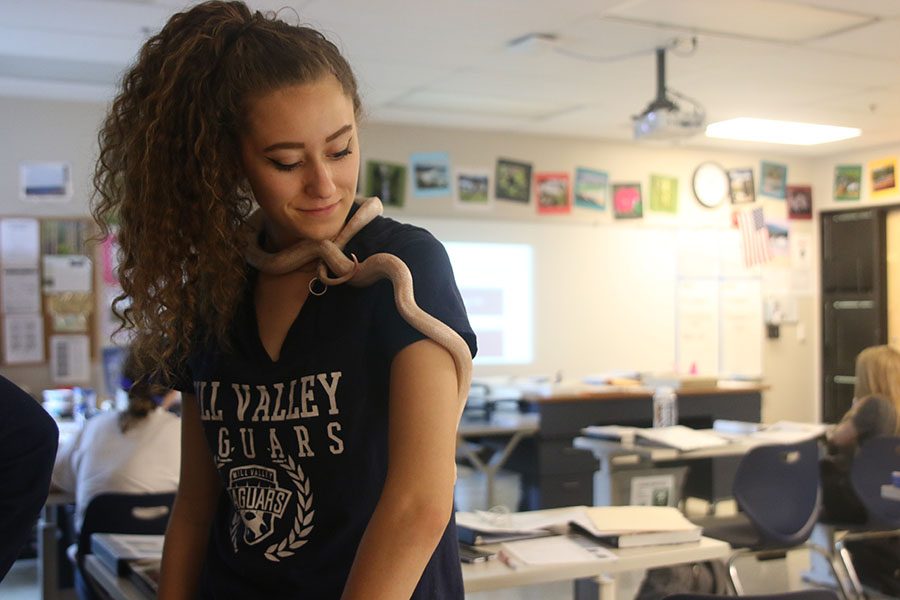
(28, 440)
(301, 443)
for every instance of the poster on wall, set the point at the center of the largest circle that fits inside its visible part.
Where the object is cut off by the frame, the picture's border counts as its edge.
(591, 188)
(430, 174)
(799, 201)
(23, 339)
(740, 186)
(847, 182)
(627, 201)
(20, 289)
(65, 236)
(45, 182)
(387, 181)
(664, 194)
(883, 177)
(552, 193)
(70, 359)
(67, 274)
(773, 180)
(512, 181)
(473, 188)
(20, 242)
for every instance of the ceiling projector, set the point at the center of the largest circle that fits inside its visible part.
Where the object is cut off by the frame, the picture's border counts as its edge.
(663, 119)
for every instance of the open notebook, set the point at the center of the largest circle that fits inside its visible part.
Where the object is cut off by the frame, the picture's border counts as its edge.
(676, 436)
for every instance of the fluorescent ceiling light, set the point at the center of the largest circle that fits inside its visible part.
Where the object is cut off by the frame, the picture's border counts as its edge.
(749, 129)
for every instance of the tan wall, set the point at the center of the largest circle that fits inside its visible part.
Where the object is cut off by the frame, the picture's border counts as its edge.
(67, 131)
(893, 277)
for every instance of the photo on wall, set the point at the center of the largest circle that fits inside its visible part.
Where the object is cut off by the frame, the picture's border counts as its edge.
(627, 201)
(512, 181)
(883, 174)
(740, 186)
(430, 175)
(664, 194)
(473, 188)
(799, 201)
(591, 188)
(387, 181)
(847, 182)
(45, 181)
(552, 193)
(773, 180)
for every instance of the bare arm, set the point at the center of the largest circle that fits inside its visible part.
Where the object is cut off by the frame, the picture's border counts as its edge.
(844, 435)
(192, 514)
(417, 499)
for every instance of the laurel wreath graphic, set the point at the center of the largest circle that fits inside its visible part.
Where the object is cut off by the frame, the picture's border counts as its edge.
(235, 517)
(300, 531)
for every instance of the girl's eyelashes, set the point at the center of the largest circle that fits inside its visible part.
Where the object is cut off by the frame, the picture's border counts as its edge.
(345, 152)
(284, 167)
(291, 166)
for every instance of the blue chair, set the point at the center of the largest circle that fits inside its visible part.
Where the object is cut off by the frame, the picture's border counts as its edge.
(871, 469)
(799, 595)
(119, 513)
(777, 490)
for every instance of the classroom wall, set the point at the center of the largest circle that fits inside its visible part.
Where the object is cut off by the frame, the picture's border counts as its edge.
(573, 331)
(44, 130)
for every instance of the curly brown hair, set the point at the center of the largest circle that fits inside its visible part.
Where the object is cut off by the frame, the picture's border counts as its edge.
(169, 169)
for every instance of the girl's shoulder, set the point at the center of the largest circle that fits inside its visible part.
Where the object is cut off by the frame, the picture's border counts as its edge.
(384, 234)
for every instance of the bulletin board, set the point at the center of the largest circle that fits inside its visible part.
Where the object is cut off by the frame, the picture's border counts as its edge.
(48, 296)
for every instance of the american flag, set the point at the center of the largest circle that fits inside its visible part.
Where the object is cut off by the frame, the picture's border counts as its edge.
(754, 237)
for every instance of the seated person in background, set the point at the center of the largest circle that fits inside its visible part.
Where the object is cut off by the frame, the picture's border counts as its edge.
(135, 451)
(28, 439)
(875, 412)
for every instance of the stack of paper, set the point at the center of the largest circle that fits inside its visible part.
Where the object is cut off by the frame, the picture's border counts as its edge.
(681, 437)
(632, 526)
(484, 527)
(554, 550)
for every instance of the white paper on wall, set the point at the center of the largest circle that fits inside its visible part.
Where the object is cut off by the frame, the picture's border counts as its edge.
(20, 241)
(65, 273)
(70, 358)
(20, 289)
(23, 339)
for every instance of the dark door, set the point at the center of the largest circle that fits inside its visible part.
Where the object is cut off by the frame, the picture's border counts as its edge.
(853, 300)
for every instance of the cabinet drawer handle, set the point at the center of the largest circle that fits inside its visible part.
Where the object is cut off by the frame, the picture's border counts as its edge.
(571, 485)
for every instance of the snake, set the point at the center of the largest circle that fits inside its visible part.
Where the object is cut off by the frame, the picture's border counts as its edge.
(329, 254)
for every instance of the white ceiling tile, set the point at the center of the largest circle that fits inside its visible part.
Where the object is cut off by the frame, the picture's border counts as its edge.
(879, 40)
(875, 8)
(763, 19)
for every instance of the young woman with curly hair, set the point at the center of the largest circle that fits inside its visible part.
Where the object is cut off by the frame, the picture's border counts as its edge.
(319, 419)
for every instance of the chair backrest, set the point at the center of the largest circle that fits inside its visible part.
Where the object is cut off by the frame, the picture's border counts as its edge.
(798, 595)
(872, 466)
(124, 513)
(777, 487)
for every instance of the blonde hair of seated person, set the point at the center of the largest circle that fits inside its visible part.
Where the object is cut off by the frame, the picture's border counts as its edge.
(878, 372)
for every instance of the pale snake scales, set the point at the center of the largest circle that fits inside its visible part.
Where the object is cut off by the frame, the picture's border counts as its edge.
(330, 256)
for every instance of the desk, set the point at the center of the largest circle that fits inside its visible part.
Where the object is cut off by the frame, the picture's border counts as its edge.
(556, 474)
(493, 574)
(48, 546)
(118, 588)
(509, 426)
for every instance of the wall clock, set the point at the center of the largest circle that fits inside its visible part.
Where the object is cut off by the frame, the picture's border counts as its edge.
(710, 184)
